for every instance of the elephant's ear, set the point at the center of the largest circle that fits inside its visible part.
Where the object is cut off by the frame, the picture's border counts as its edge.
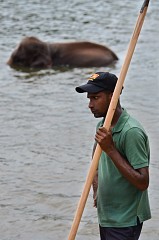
(42, 62)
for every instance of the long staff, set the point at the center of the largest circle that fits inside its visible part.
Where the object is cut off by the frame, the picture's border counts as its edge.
(108, 119)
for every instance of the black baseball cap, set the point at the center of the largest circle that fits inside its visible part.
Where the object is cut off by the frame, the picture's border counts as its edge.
(99, 81)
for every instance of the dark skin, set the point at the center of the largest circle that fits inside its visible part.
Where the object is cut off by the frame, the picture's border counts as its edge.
(98, 104)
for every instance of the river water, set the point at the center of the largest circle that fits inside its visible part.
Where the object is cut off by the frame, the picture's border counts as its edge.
(47, 131)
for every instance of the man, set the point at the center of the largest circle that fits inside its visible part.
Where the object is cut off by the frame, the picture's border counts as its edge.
(123, 169)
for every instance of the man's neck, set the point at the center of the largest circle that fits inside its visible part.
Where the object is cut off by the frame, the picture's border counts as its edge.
(116, 116)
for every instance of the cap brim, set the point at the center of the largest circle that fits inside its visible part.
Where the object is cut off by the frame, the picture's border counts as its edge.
(90, 88)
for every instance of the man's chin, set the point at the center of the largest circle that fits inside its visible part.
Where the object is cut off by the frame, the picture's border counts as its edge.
(97, 115)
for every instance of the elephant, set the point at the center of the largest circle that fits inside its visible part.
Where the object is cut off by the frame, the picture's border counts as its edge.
(34, 53)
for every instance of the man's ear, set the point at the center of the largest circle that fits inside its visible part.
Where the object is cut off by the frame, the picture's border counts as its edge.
(110, 95)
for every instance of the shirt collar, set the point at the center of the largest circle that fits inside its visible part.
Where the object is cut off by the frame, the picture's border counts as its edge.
(121, 121)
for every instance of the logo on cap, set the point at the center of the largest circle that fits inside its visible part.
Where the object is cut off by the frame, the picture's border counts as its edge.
(94, 76)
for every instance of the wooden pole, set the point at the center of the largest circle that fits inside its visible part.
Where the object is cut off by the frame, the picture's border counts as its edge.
(108, 119)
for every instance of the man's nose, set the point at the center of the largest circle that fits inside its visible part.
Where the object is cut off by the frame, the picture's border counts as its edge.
(90, 105)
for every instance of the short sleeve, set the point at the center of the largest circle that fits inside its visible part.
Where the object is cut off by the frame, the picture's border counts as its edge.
(136, 148)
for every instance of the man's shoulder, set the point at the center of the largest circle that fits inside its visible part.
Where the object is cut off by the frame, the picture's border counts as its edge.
(133, 124)
(131, 121)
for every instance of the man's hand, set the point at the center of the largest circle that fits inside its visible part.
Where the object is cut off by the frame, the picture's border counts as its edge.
(105, 140)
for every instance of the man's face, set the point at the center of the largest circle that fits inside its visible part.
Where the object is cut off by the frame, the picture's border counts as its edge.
(99, 103)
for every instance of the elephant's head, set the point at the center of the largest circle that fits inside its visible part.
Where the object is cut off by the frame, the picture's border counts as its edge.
(32, 53)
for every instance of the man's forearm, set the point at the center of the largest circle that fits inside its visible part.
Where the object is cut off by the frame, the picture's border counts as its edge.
(139, 178)
(95, 187)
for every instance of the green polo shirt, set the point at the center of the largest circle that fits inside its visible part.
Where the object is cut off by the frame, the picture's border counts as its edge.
(119, 203)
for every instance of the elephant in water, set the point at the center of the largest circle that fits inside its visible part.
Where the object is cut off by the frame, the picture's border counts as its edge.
(34, 53)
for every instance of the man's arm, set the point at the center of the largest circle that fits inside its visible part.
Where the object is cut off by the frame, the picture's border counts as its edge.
(95, 181)
(95, 187)
(139, 177)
